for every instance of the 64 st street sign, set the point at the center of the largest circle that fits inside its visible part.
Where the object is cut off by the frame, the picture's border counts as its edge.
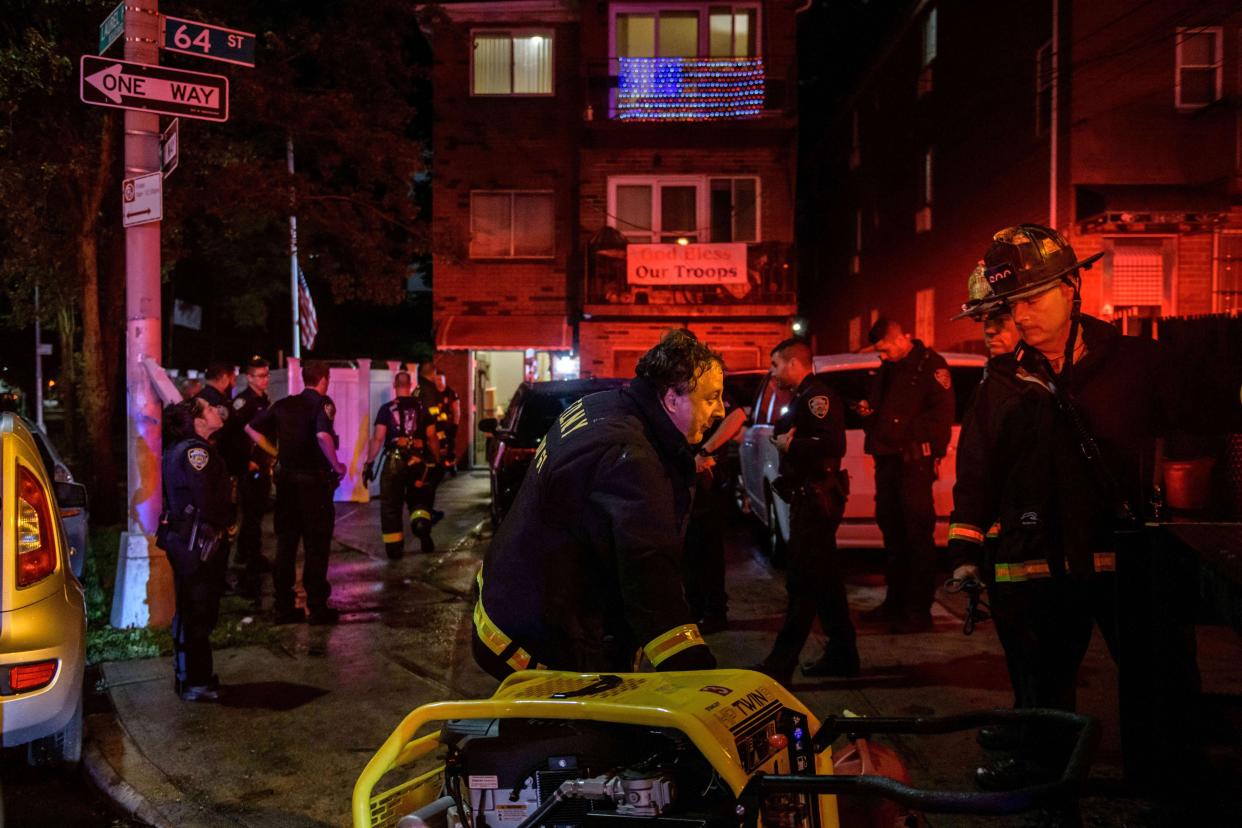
(123, 84)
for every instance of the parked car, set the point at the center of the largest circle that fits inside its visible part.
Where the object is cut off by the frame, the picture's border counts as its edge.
(850, 375)
(42, 608)
(740, 390)
(513, 440)
(70, 497)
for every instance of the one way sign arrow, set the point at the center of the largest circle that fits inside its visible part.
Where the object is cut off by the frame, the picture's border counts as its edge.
(124, 84)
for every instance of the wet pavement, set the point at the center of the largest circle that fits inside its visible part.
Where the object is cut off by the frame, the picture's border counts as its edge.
(306, 709)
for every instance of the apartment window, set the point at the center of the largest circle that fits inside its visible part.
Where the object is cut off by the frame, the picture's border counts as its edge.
(929, 42)
(686, 31)
(696, 208)
(1227, 293)
(856, 259)
(1198, 80)
(855, 143)
(925, 316)
(511, 224)
(923, 218)
(512, 63)
(1043, 89)
(1138, 273)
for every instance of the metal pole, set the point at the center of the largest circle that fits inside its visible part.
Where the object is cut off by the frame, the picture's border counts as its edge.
(293, 262)
(144, 595)
(38, 366)
(1055, 59)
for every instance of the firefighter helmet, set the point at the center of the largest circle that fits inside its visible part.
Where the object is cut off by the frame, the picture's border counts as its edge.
(1029, 259)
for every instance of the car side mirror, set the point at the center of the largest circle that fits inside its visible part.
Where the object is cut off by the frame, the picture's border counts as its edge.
(70, 495)
(488, 425)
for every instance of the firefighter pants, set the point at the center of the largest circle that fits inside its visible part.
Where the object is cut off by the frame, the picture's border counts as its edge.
(398, 491)
(197, 586)
(906, 513)
(304, 513)
(813, 581)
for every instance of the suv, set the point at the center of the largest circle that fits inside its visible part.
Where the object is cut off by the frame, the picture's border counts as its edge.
(42, 609)
(513, 440)
(850, 375)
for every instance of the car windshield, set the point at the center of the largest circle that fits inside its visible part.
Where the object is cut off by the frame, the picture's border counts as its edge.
(740, 389)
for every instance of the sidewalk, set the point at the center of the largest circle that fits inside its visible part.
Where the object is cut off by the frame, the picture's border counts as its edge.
(304, 713)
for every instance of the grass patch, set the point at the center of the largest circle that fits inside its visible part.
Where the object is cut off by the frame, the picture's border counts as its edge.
(239, 624)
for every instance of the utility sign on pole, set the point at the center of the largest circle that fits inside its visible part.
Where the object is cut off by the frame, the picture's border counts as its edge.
(122, 84)
(204, 40)
(112, 28)
(142, 199)
(170, 147)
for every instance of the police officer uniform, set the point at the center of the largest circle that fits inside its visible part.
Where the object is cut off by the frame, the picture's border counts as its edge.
(586, 568)
(197, 515)
(304, 512)
(252, 468)
(225, 440)
(408, 477)
(907, 434)
(816, 488)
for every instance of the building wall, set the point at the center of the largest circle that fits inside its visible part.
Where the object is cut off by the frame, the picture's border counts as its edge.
(611, 348)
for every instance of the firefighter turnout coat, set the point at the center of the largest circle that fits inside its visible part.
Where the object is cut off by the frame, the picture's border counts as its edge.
(586, 567)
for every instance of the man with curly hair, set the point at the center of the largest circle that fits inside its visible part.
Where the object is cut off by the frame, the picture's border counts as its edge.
(585, 571)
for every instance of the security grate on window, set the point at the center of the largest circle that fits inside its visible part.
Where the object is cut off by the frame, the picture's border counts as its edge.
(1138, 275)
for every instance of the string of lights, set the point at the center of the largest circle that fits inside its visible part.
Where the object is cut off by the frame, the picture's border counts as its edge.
(689, 89)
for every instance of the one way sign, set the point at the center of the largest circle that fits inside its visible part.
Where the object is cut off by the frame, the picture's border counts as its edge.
(123, 84)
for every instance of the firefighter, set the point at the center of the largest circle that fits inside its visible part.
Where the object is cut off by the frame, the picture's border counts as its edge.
(407, 434)
(909, 418)
(586, 569)
(449, 417)
(1056, 450)
(811, 442)
(198, 514)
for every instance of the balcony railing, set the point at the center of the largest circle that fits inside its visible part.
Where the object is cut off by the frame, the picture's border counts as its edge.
(688, 89)
(771, 283)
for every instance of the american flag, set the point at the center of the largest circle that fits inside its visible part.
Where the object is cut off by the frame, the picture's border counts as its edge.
(307, 323)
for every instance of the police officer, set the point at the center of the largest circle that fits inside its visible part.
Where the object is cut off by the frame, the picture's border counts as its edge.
(449, 417)
(909, 416)
(407, 434)
(586, 569)
(217, 390)
(298, 432)
(1055, 450)
(811, 441)
(197, 515)
(253, 469)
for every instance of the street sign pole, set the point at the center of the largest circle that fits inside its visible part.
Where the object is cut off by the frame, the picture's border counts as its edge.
(144, 593)
(38, 365)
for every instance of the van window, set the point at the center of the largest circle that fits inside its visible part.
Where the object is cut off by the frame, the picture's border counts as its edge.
(854, 385)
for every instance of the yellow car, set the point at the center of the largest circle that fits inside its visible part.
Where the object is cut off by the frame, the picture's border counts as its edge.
(42, 609)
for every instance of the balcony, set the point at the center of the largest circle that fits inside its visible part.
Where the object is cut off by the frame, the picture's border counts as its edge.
(687, 89)
(769, 287)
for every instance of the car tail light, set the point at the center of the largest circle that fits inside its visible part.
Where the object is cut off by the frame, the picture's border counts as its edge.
(25, 677)
(36, 542)
(515, 455)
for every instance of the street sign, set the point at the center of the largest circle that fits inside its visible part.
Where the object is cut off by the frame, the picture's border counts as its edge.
(112, 28)
(170, 147)
(45, 349)
(204, 40)
(123, 84)
(142, 199)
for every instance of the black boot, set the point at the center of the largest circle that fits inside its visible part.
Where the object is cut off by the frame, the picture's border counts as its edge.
(839, 661)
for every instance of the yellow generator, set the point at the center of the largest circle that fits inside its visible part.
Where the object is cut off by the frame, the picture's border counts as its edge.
(703, 749)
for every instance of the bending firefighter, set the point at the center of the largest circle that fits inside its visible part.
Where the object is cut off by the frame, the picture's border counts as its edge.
(586, 569)
(410, 468)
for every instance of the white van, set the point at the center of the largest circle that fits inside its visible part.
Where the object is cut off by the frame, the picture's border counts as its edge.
(850, 375)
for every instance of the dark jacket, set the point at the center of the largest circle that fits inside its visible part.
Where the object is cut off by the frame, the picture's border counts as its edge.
(818, 419)
(1020, 464)
(195, 476)
(294, 423)
(237, 447)
(913, 403)
(586, 568)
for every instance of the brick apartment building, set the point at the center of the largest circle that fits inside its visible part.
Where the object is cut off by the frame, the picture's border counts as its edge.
(605, 171)
(1122, 130)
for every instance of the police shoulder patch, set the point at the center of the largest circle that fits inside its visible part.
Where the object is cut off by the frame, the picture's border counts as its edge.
(943, 377)
(819, 406)
(239, 403)
(197, 457)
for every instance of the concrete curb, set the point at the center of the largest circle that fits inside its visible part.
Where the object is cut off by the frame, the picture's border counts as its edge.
(106, 727)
